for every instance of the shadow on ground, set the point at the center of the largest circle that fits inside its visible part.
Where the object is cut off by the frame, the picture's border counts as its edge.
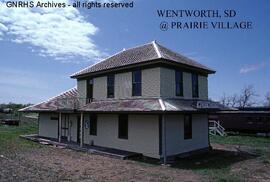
(214, 159)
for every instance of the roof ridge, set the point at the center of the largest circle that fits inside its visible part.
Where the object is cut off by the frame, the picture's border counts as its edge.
(156, 49)
(184, 57)
(126, 49)
(162, 104)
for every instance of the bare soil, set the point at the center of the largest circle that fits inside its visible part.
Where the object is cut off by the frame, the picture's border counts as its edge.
(53, 164)
(48, 163)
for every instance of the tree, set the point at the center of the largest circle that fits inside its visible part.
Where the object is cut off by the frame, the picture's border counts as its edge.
(229, 101)
(246, 98)
(267, 99)
(224, 100)
(233, 100)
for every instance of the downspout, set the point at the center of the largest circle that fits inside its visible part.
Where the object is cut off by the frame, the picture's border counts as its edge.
(164, 147)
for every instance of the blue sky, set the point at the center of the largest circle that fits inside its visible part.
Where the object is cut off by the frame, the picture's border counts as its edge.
(41, 48)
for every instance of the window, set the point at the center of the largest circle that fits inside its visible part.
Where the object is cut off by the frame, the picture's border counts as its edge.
(93, 124)
(54, 118)
(110, 86)
(178, 83)
(89, 90)
(187, 127)
(195, 85)
(137, 83)
(123, 126)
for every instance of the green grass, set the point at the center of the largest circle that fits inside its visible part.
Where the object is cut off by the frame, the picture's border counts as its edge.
(252, 141)
(9, 137)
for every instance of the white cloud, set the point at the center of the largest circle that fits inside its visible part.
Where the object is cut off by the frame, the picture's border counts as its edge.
(250, 68)
(56, 32)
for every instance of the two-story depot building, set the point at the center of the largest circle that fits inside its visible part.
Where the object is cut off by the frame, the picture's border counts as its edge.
(147, 99)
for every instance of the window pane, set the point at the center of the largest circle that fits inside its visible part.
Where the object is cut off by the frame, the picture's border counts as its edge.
(136, 89)
(187, 127)
(90, 89)
(195, 85)
(90, 81)
(123, 126)
(178, 83)
(110, 86)
(178, 89)
(137, 76)
(93, 124)
(136, 83)
(110, 80)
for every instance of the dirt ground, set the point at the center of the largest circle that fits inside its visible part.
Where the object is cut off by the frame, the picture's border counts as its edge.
(48, 163)
(54, 164)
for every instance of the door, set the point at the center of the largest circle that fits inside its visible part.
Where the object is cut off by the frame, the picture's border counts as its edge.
(78, 129)
(65, 126)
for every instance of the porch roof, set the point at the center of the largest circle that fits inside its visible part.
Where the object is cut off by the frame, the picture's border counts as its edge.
(54, 103)
(151, 105)
(69, 102)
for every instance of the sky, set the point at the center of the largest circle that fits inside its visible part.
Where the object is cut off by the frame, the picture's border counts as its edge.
(41, 47)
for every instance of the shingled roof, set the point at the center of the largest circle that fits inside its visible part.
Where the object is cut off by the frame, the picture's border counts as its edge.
(147, 53)
(54, 103)
(68, 101)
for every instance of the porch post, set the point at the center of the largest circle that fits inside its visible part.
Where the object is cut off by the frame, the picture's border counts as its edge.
(164, 140)
(81, 141)
(59, 126)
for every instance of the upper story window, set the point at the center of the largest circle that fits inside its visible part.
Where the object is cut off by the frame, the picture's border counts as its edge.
(187, 127)
(137, 83)
(178, 83)
(89, 89)
(110, 86)
(195, 85)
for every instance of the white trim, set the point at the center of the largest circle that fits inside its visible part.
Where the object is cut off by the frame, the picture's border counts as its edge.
(156, 49)
(162, 104)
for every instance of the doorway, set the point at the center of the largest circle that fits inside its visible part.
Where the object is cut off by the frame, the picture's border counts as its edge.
(65, 126)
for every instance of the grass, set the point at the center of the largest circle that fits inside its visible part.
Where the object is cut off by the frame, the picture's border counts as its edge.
(251, 141)
(259, 145)
(9, 137)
